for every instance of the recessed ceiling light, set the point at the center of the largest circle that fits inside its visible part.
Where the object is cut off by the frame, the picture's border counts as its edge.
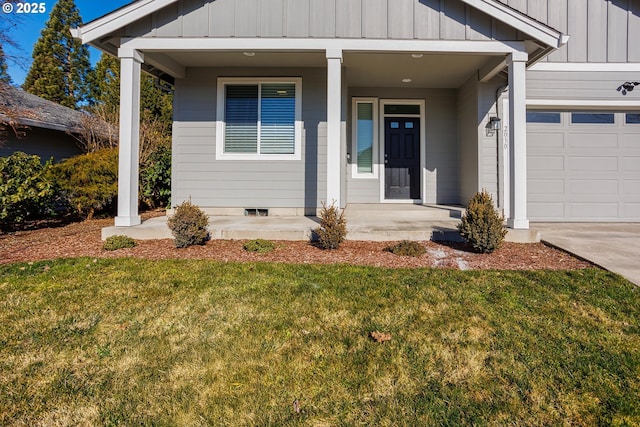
(417, 55)
(249, 53)
(406, 80)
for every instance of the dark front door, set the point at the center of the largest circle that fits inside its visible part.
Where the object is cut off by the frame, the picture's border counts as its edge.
(402, 158)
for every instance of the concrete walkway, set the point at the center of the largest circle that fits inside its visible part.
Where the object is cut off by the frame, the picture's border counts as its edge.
(615, 247)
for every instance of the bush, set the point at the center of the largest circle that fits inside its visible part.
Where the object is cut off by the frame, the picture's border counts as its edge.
(118, 242)
(333, 227)
(482, 225)
(259, 245)
(189, 225)
(26, 189)
(407, 248)
(155, 178)
(89, 181)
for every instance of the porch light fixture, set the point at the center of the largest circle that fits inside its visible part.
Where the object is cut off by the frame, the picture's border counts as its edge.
(417, 55)
(406, 80)
(493, 125)
(249, 54)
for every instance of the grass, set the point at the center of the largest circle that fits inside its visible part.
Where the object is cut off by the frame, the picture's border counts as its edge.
(131, 342)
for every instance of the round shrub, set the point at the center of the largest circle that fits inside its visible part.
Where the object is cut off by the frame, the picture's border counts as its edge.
(155, 178)
(89, 181)
(259, 245)
(482, 225)
(26, 189)
(189, 225)
(333, 227)
(118, 242)
(407, 248)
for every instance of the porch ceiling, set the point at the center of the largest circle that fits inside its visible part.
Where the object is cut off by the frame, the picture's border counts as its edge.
(362, 69)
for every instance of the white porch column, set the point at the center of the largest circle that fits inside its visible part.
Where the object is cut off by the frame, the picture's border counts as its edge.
(334, 118)
(518, 141)
(129, 144)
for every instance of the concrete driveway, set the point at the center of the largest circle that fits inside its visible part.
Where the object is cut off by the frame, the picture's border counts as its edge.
(615, 247)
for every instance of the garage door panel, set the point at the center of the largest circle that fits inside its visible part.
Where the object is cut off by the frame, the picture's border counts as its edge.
(598, 141)
(593, 210)
(592, 164)
(545, 141)
(546, 186)
(546, 211)
(631, 211)
(545, 163)
(593, 187)
(631, 141)
(583, 172)
(631, 164)
(630, 188)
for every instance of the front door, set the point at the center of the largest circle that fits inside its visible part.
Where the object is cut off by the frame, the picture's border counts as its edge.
(402, 158)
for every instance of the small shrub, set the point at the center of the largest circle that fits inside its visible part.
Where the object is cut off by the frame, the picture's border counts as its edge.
(118, 242)
(189, 225)
(333, 227)
(155, 178)
(89, 181)
(407, 248)
(26, 190)
(482, 225)
(259, 245)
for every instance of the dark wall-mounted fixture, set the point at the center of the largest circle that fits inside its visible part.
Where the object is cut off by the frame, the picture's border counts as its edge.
(493, 125)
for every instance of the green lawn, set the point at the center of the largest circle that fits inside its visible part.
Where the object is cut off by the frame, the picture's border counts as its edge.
(134, 342)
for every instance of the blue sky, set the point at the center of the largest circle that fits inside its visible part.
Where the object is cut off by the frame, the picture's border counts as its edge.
(27, 30)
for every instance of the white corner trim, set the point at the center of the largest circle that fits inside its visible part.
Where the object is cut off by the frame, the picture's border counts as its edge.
(331, 46)
(520, 21)
(586, 66)
(621, 104)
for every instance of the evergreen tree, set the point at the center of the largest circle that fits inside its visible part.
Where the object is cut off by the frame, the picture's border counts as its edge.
(5, 78)
(106, 84)
(60, 69)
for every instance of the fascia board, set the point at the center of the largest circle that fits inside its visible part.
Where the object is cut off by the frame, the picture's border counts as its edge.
(520, 21)
(113, 21)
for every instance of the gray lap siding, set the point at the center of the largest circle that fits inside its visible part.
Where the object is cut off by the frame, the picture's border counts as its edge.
(211, 183)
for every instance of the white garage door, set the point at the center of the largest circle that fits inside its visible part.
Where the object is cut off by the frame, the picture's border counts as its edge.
(583, 166)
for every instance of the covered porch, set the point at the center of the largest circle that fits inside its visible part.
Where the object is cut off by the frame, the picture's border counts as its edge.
(323, 164)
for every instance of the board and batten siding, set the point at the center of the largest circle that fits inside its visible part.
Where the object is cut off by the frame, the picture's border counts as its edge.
(211, 183)
(375, 19)
(600, 30)
(574, 85)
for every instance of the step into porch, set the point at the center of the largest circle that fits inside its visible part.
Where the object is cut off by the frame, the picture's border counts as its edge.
(375, 222)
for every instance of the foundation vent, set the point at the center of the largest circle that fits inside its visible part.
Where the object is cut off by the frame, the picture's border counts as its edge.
(256, 212)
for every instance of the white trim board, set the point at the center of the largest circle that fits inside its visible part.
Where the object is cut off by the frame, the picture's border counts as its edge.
(520, 21)
(167, 44)
(586, 66)
(583, 104)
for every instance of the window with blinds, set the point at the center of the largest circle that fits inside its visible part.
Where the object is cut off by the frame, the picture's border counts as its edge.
(260, 118)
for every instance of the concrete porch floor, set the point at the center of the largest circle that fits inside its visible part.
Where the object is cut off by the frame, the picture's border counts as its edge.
(375, 222)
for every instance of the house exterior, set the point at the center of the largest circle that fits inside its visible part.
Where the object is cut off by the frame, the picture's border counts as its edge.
(286, 104)
(44, 128)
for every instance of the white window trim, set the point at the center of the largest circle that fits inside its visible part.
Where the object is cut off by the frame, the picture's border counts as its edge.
(354, 140)
(220, 122)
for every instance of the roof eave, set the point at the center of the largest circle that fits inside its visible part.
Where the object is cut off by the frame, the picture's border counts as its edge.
(539, 31)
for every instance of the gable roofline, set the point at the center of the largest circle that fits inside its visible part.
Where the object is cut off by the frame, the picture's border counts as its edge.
(521, 22)
(101, 27)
